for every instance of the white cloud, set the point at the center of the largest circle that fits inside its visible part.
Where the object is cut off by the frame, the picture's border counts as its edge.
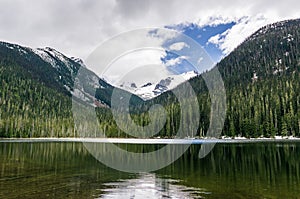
(129, 55)
(217, 39)
(178, 46)
(200, 60)
(76, 27)
(231, 38)
(139, 66)
(175, 61)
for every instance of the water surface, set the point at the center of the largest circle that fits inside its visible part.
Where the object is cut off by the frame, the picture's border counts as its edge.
(231, 170)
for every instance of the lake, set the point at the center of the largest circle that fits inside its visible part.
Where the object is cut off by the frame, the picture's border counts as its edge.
(231, 170)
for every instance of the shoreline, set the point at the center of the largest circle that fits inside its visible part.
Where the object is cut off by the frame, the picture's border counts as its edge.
(151, 140)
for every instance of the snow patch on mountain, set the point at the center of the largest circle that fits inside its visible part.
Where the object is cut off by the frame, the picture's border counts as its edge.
(78, 61)
(44, 56)
(60, 62)
(152, 89)
(20, 49)
(56, 59)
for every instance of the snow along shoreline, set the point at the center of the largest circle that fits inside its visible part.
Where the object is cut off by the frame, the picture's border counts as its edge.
(152, 140)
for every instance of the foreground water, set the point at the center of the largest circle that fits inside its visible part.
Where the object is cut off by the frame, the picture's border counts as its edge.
(233, 170)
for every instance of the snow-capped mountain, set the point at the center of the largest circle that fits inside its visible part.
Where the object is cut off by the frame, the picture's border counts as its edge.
(55, 70)
(68, 69)
(62, 72)
(152, 89)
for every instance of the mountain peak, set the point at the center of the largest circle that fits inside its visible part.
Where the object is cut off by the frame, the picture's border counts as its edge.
(78, 61)
(151, 90)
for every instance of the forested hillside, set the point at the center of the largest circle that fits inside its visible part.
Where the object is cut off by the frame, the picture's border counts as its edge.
(262, 84)
(262, 78)
(29, 108)
(36, 92)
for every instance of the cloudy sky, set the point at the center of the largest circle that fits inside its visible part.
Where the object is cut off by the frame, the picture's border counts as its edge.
(76, 27)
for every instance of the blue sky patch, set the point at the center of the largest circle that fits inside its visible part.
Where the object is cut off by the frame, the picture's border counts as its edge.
(201, 35)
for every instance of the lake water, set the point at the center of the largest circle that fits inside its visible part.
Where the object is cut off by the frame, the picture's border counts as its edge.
(232, 170)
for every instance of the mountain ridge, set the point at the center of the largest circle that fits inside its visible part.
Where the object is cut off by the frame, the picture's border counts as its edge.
(151, 90)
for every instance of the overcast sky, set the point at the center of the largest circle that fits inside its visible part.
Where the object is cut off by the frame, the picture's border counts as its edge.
(77, 27)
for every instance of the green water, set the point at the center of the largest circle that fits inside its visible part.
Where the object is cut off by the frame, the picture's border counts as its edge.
(67, 170)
